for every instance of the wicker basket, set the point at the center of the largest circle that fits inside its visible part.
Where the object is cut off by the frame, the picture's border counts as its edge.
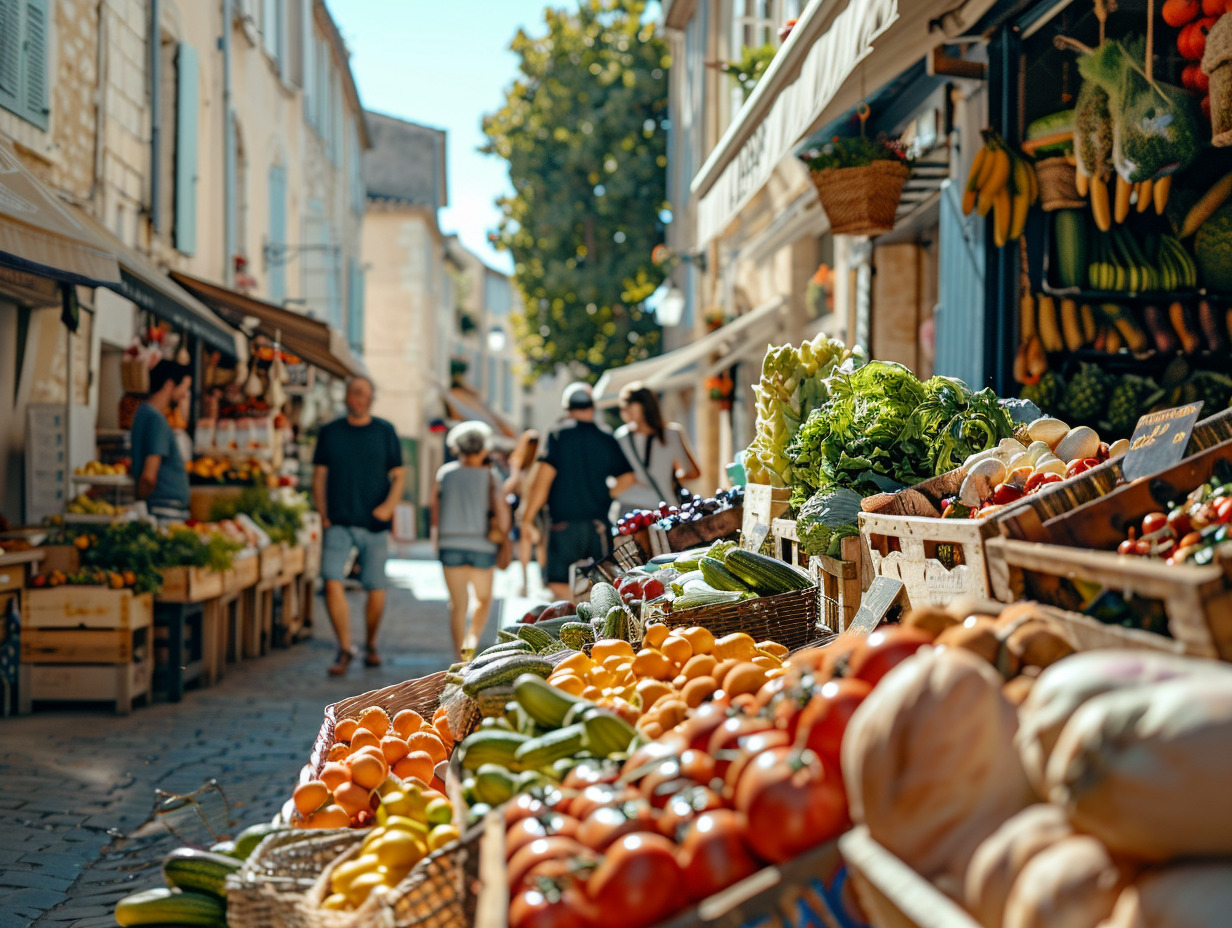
(792, 619)
(863, 200)
(266, 892)
(1058, 184)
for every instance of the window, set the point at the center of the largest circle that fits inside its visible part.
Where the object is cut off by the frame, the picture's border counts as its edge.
(23, 59)
(186, 149)
(355, 160)
(310, 67)
(273, 22)
(241, 191)
(355, 306)
(293, 70)
(278, 231)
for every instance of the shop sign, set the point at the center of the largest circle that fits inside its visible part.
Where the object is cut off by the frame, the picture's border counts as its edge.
(827, 66)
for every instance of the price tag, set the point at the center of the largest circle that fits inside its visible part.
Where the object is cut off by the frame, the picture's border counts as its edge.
(757, 537)
(1160, 440)
(880, 597)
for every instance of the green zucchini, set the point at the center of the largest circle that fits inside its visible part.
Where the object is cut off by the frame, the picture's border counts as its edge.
(539, 639)
(696, 598)
(766, 575)
(247, 840)
(603, 598)
(606, 733)
(505, 671)
(540, 753)
(494, 784)
(171, 906)
(577, 635)
(543, 702)
(719, 577)
(200, 871)
(491, 746)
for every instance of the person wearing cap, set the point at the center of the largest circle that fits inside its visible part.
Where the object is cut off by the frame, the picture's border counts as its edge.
(576, 462)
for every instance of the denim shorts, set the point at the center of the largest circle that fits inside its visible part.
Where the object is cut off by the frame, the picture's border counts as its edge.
(456, 557)
(373, 549)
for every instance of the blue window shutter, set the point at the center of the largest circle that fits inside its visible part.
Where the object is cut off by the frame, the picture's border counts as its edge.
(278, 230)
(959, 323)
(10, 54)
(35, 63)
(355, 307)
(186, 149)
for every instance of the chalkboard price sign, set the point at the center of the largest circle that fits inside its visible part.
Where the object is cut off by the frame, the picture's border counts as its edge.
(875, 605)
(1160, 440)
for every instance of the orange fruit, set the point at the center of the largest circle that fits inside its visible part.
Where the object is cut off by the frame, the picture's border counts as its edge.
(407, 722)
(430, 744)
(417, 765)
(353, 798)
(612, 662)
(394, 748)
(441, 727)
(368, 772)
(736, 646)
(699, 665)
(652, 690)
(654, 664)
(332, 816)
(365, 738)
(677, 649)
(745, 677)
(601, 650)
(655, 635)
(334, 775)
(700, 638)
(310, 796)
(375, 719)
(697, 690)
(568, 683)
(767, 663)
(345, 729)
(773, 648)
(339, 751)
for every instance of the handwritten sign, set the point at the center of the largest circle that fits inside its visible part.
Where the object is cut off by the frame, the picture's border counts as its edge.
(1159, 440)
(875, 605)
(757, 537)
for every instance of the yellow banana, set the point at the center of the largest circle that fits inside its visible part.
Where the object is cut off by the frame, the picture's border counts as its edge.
(1145, 191)
(1049, 331)
(1162, 187)
(1100, 207)
(978, 165)
(1034, 180)
(1081, 182)
(1123, 190)
(1001, 210)
(1021, 200)
(1026, 317)
(968, 202)
(1088, 323)
(998, 177)
(1071, 325)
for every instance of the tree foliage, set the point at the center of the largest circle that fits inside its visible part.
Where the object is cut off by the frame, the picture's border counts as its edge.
(584, 129)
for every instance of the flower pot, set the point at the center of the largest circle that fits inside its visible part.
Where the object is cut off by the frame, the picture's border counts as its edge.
(863, 200)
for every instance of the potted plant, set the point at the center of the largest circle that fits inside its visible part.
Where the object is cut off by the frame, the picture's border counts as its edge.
(859, 181)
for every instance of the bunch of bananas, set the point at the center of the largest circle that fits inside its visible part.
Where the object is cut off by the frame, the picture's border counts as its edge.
(1003, 182)
(1115, 208)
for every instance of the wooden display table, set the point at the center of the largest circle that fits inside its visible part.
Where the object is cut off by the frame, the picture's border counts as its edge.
(16, 569)
(86, 643)
(183, 606)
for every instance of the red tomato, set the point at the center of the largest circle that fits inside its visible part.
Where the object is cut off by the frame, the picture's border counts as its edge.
(593, 797)
(671, 744)
(1179, 12)
(637, 883)
(825, 718)
(555, 848)
(525, 806)
(697, 766)
(1223, 509)
(653, 589)
(697, 729)
(884, 650)
(607, 823)
(1214, 7)
(1178, 518)
(794, 801)
(590, 772)
(1152, 522)
(530, 829)
(748, 747)
(533, 908)
(684, 807)
(724, 741)
(713, 855)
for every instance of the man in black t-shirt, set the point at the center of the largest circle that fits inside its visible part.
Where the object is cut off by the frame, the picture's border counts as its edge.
(356, 483)
(576, 462)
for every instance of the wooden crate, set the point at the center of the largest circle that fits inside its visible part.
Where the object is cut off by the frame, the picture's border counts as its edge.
(271, 562)
(312, 559)
(726, 523)
(84, 645)
(842, 580)
(891, 893)
(87, 607)
(16, 568)
(190, 584)
(64, 558)
(245, 571)
(1075, 554)
(293, 559)
(763, 504)
(118, 683)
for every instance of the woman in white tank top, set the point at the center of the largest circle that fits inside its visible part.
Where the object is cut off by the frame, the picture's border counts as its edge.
(658, 452)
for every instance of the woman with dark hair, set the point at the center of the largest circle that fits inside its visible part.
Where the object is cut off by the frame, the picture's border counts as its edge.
(522, 462)
(657, 450)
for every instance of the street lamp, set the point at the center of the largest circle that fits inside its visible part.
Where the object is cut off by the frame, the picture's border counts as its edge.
(497, 339)
(667, 303)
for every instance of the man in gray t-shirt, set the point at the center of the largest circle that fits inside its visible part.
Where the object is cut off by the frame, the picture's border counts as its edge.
(157, 464)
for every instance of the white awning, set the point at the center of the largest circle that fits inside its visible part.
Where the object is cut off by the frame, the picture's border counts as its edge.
(810, 82)
(691, 364)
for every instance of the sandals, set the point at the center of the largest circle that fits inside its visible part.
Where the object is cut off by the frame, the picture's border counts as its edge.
(372, 659)
(341, 663)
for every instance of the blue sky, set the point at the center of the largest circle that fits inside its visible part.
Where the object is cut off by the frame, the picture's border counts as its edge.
(444, 64)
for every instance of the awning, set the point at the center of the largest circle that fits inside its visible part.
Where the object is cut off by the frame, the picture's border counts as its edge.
(38, 234)
(744, 336)
(316, 342)
(464, 405)
(151, 289)
(810, 80)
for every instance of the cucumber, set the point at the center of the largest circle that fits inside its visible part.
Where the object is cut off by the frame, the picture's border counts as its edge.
(538, 639)
(540, 753)
(247, 840)
(606, 733)
(505, 671)
(603, 597)
(543, 702)
(765, 574)
(171, 906)
(494, 784)
(200, 871)
(719, 577)
(577, 635)
(491, 746)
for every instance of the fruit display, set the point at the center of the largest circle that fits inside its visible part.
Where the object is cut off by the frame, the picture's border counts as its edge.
(1001, 182)
(228, 471)
(379, 762)
(792, 385)
(1003, 475)
(99, 469)
(691, 509)
(83, 504)
(1191, 529)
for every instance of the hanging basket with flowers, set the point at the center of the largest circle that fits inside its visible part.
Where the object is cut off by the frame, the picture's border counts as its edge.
(860, 181)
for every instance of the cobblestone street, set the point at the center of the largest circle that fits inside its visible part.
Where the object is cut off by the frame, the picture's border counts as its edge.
(77, 785)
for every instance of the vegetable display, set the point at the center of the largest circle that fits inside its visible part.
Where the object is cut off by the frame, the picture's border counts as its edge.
(1191, 529)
